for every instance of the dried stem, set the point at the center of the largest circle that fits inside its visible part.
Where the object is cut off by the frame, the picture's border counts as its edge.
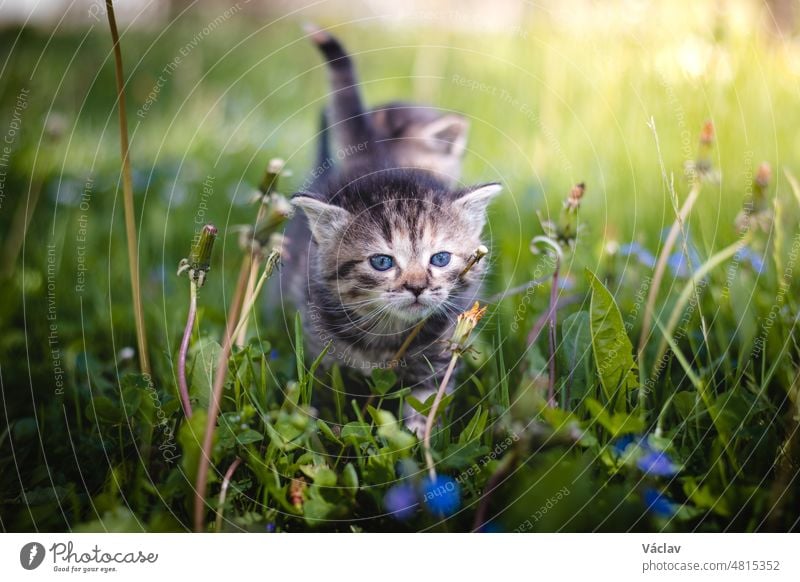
(251, 295)
(426, 439)
(183, 387)
(127, 194)
(223, 491)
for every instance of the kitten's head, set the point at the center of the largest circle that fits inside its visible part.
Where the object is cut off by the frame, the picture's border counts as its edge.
(423, 137)
(391, 245)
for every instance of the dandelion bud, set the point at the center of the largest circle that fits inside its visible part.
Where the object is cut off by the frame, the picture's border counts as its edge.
(703, 168)
(565, 231)
(573, 201)
(199, 262)
(465, 325)
(760, 187)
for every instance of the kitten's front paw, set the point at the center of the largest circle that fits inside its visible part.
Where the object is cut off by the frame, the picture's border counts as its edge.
(415, 422)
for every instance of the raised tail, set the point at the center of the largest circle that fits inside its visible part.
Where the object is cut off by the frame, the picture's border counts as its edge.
(347, 120)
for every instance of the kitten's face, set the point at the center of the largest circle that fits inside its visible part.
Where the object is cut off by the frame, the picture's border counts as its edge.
(399, 261)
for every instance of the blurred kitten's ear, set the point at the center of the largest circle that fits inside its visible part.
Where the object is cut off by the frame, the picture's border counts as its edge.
(325, 220)
(448, 135)
(473, 202)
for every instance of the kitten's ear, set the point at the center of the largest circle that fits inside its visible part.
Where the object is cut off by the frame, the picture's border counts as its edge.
(325, 220)
(473, 202)
(448, 134)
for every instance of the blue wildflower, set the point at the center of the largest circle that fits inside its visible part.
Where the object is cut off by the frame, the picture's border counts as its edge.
(641, 254)
(401, 501)
(270, 527)
(677, 262)
(622, 443)
(658, 504)
(755, 259)
(274, 354)
(657, 463)
(442, 495)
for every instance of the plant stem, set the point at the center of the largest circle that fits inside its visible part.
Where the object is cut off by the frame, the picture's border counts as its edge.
(426, 441)
(127, 194)
(187, 335)
(663, 257)
(223, 491)
(251, 295)
(552, 319)
(201, 481)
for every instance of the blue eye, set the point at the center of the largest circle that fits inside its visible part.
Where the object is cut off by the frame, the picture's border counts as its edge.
(381, 262)
(441, 259)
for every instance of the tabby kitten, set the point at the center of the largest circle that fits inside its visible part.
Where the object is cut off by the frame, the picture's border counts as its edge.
(417, 136)
(378, 248)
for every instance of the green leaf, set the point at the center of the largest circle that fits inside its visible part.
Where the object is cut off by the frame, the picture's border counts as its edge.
(206, 352)
(383, 379)
(350, 478)
(356, 432)
(576, 353)
(326, 430)
(475, 427)
(424, 407)
(248, 436)
(104, 411)
(618, 423)
(389, 429)
(613, 351)
(190, 438)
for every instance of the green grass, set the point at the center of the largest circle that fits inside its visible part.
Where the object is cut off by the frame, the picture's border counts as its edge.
(557, 107)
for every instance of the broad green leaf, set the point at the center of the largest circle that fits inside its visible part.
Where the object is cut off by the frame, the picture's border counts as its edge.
(576, 352)
(206, 352)
(613, 351)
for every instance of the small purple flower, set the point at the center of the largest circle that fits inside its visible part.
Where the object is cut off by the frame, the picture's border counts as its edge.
(442, 495)
(641, 254)
(270, 527)
(657, 463)
(401, 501)
(658, 504)
(274, 354)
